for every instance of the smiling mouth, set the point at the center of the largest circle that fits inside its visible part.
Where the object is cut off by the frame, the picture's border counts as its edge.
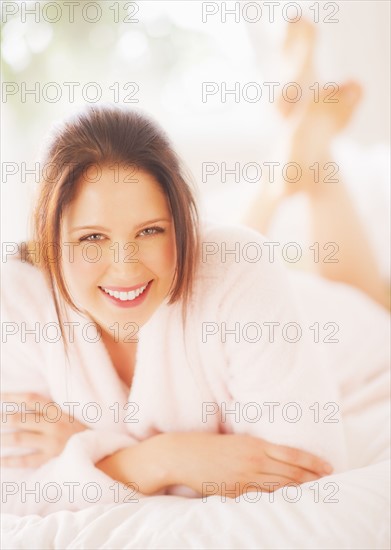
(125, 296)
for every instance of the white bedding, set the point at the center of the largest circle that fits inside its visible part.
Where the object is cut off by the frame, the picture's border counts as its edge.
(357, 520)
(351, 510)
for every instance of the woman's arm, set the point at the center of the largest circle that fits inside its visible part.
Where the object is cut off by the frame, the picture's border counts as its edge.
(66, 479)
(275, 373)
(197, 460)
(191, 459)
(146, 465)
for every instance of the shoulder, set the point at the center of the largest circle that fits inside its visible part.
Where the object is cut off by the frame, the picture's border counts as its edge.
(24, 289)
(15, 272)
(233, 249)
(229, 232)
(232, 257)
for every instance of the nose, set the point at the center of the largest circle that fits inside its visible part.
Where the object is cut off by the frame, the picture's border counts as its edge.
(125, 260)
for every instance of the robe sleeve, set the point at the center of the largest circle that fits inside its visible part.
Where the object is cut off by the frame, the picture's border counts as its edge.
(70, 481)
(277, 379)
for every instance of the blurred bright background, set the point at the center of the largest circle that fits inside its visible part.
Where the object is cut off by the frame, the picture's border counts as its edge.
(168, 50)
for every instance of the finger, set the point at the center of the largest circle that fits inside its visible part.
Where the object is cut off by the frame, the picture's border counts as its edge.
(32, 460)
(290, 472)
(269, 483)
(30, 440)
(33, 404)
(300, 458)
(28, 398)
(265, 483)
(28, 422)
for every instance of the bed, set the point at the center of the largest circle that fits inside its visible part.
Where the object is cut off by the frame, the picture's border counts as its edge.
(345, 511)
(348, 510)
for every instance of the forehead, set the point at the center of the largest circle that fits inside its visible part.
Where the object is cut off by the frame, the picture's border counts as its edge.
(118, 191)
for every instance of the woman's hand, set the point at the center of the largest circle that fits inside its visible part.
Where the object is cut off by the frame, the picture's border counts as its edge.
(45, 435)
(199, 459)
(224, 464)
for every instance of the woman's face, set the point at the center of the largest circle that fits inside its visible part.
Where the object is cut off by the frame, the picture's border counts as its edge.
(121, 257)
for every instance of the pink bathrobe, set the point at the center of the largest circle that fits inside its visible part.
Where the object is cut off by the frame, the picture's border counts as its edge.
(224, 372)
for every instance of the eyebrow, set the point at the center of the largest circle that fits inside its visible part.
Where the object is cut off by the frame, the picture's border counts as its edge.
(101, 228)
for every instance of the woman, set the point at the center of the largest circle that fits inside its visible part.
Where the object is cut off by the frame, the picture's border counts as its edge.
(182, 364)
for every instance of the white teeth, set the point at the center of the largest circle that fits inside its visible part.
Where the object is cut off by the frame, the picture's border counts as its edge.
(125, 296)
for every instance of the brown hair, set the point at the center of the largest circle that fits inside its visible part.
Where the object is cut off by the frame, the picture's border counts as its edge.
(101, 135)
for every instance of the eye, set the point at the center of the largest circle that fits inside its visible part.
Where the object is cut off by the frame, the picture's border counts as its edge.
(150, 231)
(89, 237)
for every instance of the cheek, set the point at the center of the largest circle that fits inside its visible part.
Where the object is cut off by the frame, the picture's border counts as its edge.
(161, 259)
(81, 269)
(168, 258)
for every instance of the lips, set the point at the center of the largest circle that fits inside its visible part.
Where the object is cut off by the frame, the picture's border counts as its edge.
(126, 298)
(123, 296)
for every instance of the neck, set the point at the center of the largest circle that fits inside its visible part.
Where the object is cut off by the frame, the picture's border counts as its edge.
(123, 356)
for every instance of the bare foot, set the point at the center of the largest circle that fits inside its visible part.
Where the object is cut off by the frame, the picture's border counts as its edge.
(320, 121)
(317, 124)
(298, 53)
